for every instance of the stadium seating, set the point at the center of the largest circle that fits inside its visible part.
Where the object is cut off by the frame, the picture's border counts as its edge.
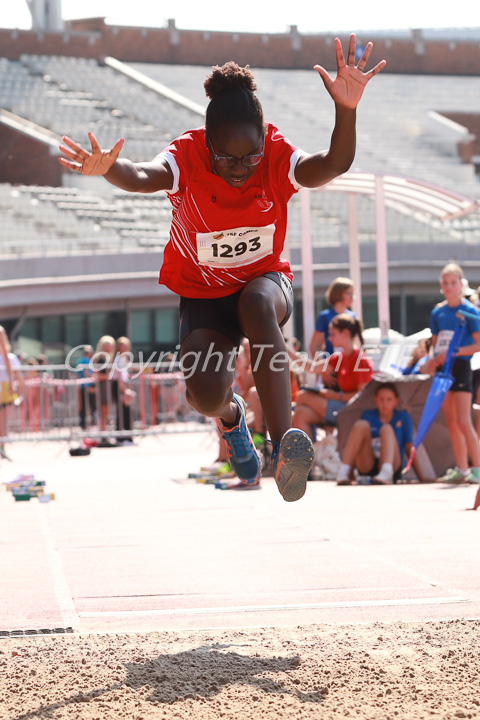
(71, 96)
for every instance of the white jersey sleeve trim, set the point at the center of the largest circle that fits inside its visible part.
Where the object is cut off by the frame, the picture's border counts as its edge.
(170, 159)
(295, 157)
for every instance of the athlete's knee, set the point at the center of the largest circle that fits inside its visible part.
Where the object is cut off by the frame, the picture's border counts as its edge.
(207, 398)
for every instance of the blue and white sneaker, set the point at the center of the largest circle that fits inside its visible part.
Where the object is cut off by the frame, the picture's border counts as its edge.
(292, 460)
(242, 453)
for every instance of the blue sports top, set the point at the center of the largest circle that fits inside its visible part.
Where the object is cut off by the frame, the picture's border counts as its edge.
(443, 321)
(401, 422)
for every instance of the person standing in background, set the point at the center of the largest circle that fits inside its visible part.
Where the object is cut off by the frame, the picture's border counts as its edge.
(86, 391)
(339, 297)
(103, 359)
(121, 395)
(457, 405)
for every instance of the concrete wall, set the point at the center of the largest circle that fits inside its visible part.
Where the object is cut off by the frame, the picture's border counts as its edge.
(24, 160)
(93, 39)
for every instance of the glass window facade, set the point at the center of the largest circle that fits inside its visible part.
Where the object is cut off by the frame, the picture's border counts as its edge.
(155, 330)
(166, 326)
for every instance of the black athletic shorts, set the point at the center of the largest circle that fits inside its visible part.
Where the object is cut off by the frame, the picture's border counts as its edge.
(462, 374)
(475, 382)
(221, 314)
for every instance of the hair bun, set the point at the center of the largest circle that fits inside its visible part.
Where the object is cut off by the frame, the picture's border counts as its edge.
(227, 78)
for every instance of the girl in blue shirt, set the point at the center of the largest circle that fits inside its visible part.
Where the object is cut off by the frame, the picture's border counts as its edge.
(339, 298)
(379, 441)
(457, 405)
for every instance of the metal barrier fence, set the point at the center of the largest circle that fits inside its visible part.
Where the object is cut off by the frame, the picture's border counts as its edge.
(54, 403)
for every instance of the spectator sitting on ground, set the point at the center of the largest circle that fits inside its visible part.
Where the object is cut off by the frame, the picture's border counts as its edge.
(353, 372)
(378, 441)
(420, 357)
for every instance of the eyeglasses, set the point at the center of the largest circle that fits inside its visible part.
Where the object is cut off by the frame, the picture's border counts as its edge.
(229, 161)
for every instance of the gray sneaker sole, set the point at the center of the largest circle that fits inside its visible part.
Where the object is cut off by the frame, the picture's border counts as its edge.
(295, 462)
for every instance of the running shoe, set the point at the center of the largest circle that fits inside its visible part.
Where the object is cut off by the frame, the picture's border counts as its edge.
(242, 454)
(454, 475)
(222, 485)
(221, 467)
(473, 476)
(384, 477)
(343, 477)
(292, 461)
(258, 440)
(3, 453)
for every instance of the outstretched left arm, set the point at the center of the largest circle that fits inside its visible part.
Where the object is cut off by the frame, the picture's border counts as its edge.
(346, 91)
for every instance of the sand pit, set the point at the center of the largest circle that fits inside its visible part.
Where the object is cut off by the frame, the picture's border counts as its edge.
(379, 671)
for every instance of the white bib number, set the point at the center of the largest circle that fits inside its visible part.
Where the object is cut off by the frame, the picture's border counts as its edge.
(443, 341)
(236, 247)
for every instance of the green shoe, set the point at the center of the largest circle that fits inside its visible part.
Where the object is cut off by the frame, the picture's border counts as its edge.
(454, 475)
(258, 440)
(473, 476)
(225, 469)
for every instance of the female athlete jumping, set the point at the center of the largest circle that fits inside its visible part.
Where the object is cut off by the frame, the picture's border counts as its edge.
(229, 183)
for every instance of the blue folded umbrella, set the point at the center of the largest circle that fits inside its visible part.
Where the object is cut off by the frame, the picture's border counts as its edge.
(441, 384)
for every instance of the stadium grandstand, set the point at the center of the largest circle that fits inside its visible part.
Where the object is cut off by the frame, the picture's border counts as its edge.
(80, 258)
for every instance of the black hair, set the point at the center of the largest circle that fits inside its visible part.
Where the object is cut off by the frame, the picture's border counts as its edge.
(231, 90)
(347, 322)
(387, 385)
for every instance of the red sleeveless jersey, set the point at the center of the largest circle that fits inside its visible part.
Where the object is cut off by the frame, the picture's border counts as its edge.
(221, 236)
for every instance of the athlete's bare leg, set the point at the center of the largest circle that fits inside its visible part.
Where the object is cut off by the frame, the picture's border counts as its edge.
(208, 362)
(262, 307)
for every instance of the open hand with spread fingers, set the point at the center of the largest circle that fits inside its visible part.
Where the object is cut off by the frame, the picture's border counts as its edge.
(96, 162)
(347, 88)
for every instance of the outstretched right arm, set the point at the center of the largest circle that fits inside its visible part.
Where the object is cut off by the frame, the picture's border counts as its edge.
(146, 177)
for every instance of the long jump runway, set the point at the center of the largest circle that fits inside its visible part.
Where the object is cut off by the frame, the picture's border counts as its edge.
(129, 545)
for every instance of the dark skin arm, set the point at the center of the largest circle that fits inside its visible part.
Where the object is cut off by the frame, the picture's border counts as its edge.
(145, 177)
(346, 92)
(311, 171)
